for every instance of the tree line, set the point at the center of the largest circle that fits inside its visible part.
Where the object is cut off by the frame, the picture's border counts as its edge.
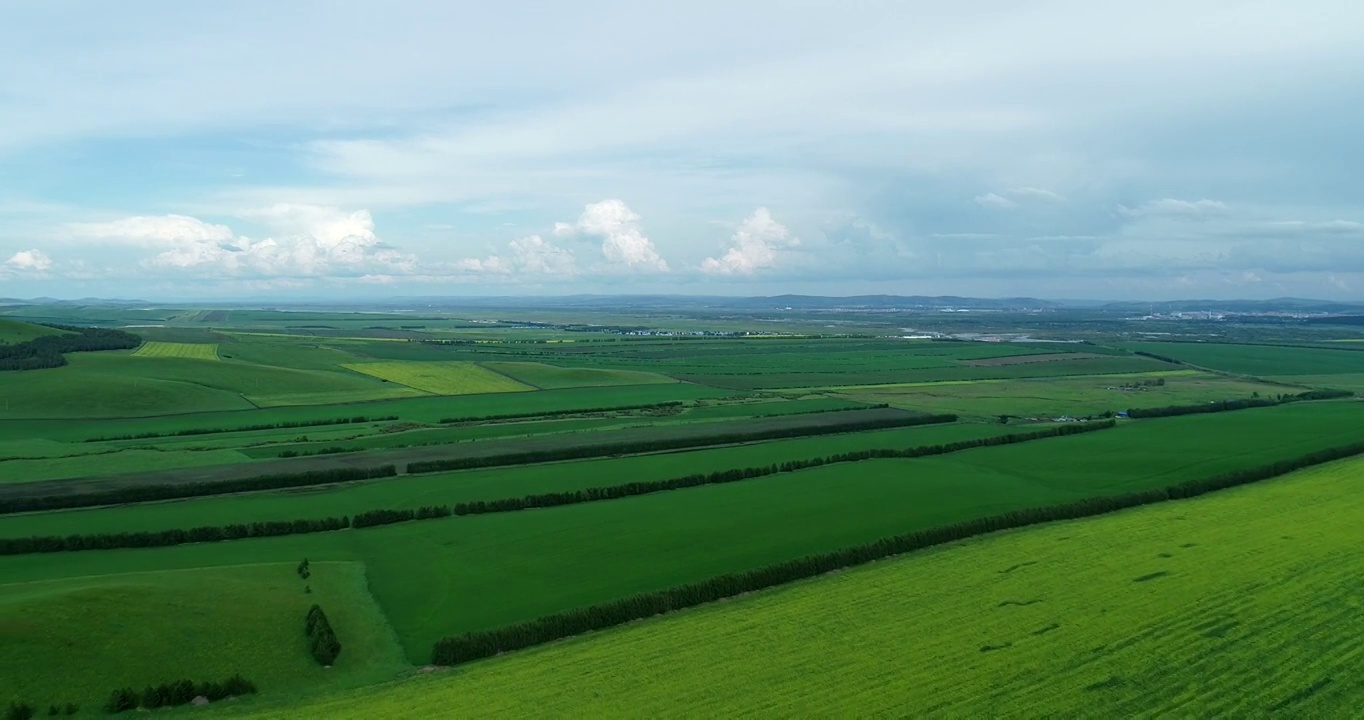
(179, 692)
(386, 516)
(1154, 356)
(142, 493)
(482, 644)
(559, 413)
(47, 351)
(1238, 404)
(322, 642)
(675, 443)
(245, 428)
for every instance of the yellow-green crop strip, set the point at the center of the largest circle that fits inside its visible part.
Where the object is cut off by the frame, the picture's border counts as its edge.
(1246, 603)
(440, 378)
(191, 351)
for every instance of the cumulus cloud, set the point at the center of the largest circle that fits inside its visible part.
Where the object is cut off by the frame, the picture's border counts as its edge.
(310, 241)
(531, 255)
(1172, 208)
(753, 246)
(623, 241)
(29, 261)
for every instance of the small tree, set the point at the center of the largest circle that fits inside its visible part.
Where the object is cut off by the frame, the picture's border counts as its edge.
(18, 711)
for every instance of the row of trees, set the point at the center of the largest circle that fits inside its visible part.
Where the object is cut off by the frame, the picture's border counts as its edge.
(143, 493)
(482, 644)
(559, 413)
(674, 443)
(180, 692)
(46, 351)
(322, 642)
(19, 710)
(173, 536)
(1239, 404)
(374, 518)
(284, 425)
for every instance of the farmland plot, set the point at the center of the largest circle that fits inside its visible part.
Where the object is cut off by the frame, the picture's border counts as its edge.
(441, 378)
(189, 351)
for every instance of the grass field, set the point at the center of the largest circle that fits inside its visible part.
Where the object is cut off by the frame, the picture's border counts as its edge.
(13, 331)
(441, 378)
(189, 351)
(549, 377)
(1109, 617)
(78, 639)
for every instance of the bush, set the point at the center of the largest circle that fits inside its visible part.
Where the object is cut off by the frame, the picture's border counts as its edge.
(18, 711)
(121, 700)
(322, 642)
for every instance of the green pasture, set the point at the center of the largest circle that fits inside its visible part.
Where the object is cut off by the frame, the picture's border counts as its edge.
(487, 484)
(1057, 396)
(440, 378)
(189, 351)
(1117, 616)
(78, 639)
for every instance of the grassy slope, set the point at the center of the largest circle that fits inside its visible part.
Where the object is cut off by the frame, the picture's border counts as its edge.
(14, 331)
(76, 640)
(906, 636)
(549, 377)
(496, 569)
(414, 491)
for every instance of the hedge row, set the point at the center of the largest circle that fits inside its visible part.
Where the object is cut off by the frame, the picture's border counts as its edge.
(642, 446)
(142, 493)
(322, 642)
(285, 425)
(374, 518)
(557, 413)
(180, 692)
(1242, 404)
(483, 644)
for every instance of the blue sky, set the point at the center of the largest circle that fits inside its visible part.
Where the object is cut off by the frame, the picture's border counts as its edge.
(367, 149)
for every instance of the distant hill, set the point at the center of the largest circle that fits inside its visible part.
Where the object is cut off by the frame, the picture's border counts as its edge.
(1293, 305)
(14, 331)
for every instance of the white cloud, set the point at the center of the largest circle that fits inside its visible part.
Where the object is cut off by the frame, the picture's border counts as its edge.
(623, 241)
(754, 246)
(995, 202)
(29, 261)
(1172, 208)
(313, 241)
(1033, 193)
(531, 255)
(153, 230)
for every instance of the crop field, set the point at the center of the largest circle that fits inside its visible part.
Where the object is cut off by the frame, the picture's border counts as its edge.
(567, 476)
(447, 378)
(1260, 360)
(1054, 397)
(1116, 615)
(549, 377)
(189, 351)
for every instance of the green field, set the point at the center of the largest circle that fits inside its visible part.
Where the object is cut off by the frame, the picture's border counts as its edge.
(1260, 360)
(13, 332)
(76, 640)
(548, 377)
(191, 351)
(1116, 616)
(449, 378)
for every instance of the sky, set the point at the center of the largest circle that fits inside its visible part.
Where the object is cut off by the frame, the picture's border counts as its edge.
(353, 149)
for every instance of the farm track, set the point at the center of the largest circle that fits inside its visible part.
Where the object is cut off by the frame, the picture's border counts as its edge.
(705, 435)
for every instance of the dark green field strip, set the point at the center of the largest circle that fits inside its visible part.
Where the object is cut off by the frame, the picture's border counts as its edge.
(792, 378)
(1258, 360)
(424, 410)
(484, 644)
(491, 452)
(412, 491)
(376, 517)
